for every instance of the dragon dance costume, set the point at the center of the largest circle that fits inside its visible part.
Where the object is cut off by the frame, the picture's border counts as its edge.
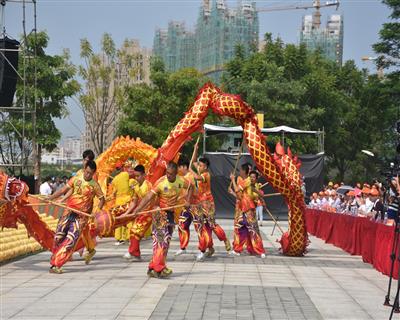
(246, 229)
(142, 222)
(163, 220)
(70, 225)
(123, 195)
(204, 213)
(185, 218)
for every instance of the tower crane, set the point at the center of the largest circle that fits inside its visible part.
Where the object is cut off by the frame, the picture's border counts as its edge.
(316, 4)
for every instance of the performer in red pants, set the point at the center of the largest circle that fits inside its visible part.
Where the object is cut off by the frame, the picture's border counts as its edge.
(204, 212)
(167, 190)
(142, 222)
(70, 226)
(246, 228)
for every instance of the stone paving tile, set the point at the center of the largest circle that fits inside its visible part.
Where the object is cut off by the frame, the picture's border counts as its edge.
(336, 284)
(238, 302)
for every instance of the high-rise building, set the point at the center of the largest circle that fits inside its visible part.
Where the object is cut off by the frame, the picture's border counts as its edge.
(328, 40)
(132, 67)
(73, 147)
(218, 31)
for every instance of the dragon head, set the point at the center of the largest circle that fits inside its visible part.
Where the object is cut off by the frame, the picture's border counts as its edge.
(13, 192)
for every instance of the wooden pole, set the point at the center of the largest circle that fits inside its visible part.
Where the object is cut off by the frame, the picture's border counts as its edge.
(61, 205)
(148, 211)
(271, 195)
(194, 152)
(237, 161)
(276, 222)
(263, 185)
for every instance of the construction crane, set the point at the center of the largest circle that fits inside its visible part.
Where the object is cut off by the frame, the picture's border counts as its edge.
(316, 4)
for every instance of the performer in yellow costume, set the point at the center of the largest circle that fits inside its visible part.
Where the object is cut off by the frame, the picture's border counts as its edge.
(123, 195)
(167, 191)
(142, 223)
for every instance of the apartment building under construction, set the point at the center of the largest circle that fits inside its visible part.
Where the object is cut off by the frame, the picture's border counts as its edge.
(212, 43)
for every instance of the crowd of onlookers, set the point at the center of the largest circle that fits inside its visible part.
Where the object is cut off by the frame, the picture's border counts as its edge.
(52, 184)
(371, 200)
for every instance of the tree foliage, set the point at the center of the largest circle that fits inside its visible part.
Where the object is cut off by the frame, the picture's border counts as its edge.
(46, 94)
(298, 88)
(389, 45)
(151, 111)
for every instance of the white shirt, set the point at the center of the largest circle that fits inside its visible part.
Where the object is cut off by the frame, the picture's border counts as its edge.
(45, 189)
(368, 205)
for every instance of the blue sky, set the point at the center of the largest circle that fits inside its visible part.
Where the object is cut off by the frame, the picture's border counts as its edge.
(67, 21)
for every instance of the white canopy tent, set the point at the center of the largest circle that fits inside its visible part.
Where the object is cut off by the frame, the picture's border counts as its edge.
(211, 130)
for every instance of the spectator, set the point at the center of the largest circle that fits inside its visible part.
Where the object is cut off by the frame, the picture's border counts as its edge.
(330, 188)
(45, 188)
(368, 203)
(337, 201)
(352, 202)
(377, 208)
(394, 192)
(325, 199)
(315, 201)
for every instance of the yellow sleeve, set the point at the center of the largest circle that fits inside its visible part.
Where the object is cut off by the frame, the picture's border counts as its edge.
(157, 186)
(97, 190)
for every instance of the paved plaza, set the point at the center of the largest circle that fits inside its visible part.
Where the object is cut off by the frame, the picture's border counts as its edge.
(327, 283)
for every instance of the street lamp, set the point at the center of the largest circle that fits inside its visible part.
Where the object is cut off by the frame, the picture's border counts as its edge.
(368, 153)
(379, 70)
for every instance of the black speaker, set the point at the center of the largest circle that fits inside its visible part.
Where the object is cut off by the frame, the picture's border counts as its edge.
(8, 76)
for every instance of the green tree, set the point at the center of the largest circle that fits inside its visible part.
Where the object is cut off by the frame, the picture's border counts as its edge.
(107, 75)
(46, 92)
(389, 45)
(151, 111)
(295, 87)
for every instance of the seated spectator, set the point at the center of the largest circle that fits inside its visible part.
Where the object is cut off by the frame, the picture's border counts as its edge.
(325, 199)
(337, 201)
(352, 203)
(336, 186)
(321, 196)
(329, 190)
(315, 201)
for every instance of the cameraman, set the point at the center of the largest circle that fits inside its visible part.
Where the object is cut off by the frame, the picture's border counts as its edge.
(394, 193)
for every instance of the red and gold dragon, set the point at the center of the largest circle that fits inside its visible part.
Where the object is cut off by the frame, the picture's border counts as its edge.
(280, 169)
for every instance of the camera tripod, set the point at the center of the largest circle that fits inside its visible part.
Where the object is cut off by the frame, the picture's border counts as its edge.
(394, 254)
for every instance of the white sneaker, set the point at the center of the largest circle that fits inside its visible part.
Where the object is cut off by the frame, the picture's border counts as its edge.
(200, 256)
(127, 256)
(130, 257)
(180, 251)
(118, 243)
(262, 256)
(235, 253)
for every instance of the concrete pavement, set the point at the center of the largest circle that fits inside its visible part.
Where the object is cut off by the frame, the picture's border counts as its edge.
(325, 284)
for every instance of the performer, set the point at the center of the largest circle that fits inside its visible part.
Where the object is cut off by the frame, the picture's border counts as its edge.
(88, 239)
(122, 195)
(167, 188)
(260, 204)
(71, 224)
(142, 222)
(246, 227)
(186, 216)
(204, 212)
